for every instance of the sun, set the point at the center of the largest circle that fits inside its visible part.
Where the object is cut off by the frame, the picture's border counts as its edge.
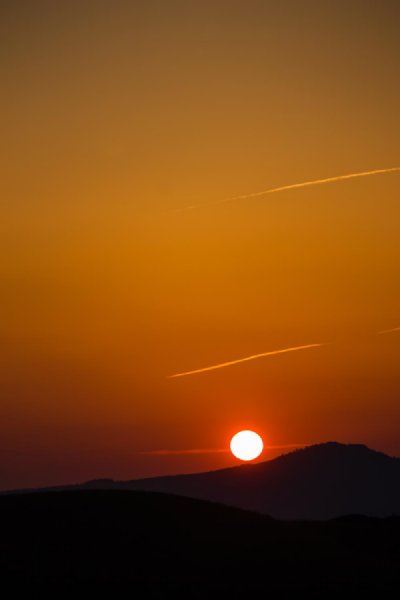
(246, 445)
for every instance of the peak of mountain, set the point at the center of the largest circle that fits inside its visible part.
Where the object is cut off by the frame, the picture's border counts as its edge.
(331, 450)
(333, 447)
(329, 453)
(322, 481)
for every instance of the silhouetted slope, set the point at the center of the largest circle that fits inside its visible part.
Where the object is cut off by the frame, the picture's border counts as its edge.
(158, 546)
(317, 482)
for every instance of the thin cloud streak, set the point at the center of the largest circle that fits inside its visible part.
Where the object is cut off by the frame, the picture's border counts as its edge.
(212, 450)
(389, 330)
(287, 446)
(245, 359)
(294, 186)
(185, 451)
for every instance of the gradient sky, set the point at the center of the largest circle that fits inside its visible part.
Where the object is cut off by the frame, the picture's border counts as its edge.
(117, 114)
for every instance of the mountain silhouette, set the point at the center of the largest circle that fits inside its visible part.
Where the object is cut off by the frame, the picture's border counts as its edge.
(323, 481)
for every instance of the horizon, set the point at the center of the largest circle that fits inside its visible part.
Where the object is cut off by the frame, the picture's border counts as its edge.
(238, 464)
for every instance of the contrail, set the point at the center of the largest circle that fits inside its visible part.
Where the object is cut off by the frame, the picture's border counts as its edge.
(389, 330)
(294, 186)
(212, 450)
(267, 447)
(245, 359)
(186, 451)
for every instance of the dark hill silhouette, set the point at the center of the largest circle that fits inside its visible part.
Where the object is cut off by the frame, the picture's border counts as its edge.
(158, 546)
(317, 482)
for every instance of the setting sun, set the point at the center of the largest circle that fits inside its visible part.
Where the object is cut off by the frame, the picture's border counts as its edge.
(246, 445)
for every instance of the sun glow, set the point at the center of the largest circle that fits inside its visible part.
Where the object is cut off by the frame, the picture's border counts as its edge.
(246, 445)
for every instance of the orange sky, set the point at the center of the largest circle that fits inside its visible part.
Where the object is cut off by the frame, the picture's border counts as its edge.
(115, 115)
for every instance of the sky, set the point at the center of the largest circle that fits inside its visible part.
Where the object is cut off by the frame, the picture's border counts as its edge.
(116, 117)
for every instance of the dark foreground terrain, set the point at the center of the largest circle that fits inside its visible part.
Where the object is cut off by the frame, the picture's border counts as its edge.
(149, 545)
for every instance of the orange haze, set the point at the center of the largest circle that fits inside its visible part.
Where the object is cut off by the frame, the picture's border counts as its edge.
(117, 114)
